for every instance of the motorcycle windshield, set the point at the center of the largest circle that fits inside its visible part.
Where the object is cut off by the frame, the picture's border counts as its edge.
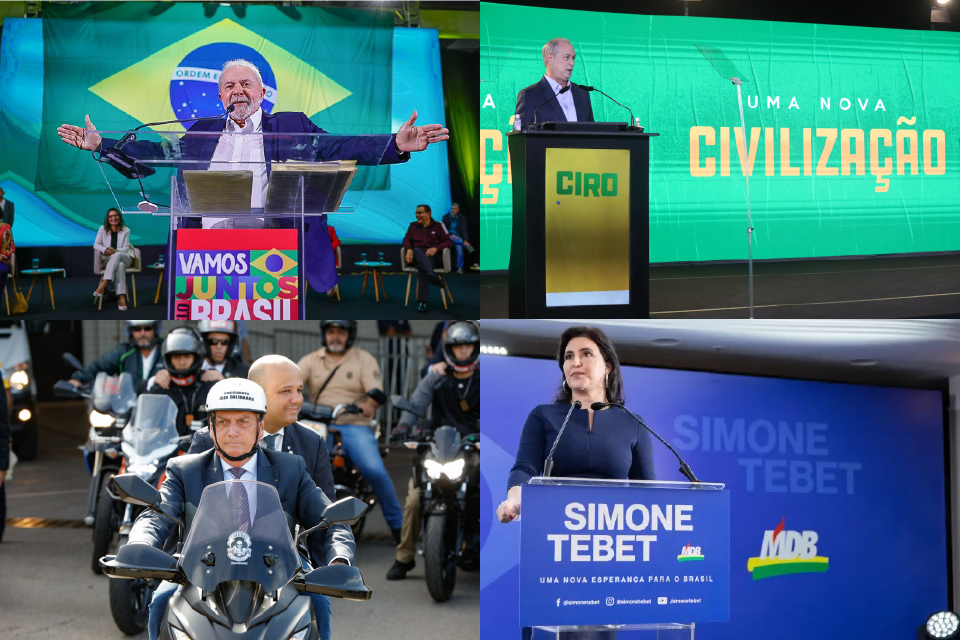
(115, 394)
(221, 547)
(446, 444)
(154, 424)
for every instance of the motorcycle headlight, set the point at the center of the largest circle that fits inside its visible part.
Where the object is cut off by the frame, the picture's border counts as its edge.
(19, 380)
(452, 470)
(300, 635)
(142, 470)
(101, 420)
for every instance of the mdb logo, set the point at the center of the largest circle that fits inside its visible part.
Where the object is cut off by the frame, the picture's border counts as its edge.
(783, 552)
(586, 184)
(610, 602)
(661, 600)
(689, 553)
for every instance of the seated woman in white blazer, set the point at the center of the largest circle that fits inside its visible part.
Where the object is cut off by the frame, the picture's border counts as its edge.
(115, 253)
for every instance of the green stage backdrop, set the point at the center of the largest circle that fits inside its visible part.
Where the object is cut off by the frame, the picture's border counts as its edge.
(852, 133)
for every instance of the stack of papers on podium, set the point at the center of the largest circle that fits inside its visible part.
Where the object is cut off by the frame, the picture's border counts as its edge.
(308, 187)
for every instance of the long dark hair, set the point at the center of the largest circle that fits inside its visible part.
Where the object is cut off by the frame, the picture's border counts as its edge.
(106, 220)
(614, 385)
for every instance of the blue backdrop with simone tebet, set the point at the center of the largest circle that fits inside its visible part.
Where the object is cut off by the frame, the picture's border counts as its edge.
(126, 64)
(854, 475)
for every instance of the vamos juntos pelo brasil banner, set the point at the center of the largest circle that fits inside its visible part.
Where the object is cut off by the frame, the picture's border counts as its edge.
(236, 274)
(851, 142)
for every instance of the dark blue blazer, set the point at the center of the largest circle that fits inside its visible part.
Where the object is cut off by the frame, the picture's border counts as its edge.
(616, 447)
(298, 440)
(536, 94)
(301, 500)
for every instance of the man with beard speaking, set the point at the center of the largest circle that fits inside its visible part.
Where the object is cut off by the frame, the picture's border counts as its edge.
(241, 87)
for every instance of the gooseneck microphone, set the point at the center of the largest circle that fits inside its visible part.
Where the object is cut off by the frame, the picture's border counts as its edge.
(132, 136)
(684, 467)
(553, 97)
(588, 88)
(548, 464)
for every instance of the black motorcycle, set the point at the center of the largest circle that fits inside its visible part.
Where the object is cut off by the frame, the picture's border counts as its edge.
(347, 479)
(236, 584)
(447, 475)
(149, 442)
(112, 399)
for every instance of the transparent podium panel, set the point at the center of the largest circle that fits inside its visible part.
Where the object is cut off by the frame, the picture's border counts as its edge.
(247, 209)
(234, 173)
(669, 631)
(640, 484)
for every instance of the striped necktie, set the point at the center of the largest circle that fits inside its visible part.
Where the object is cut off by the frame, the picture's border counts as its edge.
(240, 502)
(270, 441)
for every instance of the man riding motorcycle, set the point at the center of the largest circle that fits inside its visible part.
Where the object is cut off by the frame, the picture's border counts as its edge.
(182, 355)
(455, 395)
(223, 360)
(237, 407)
(139, 357)
(340, 373)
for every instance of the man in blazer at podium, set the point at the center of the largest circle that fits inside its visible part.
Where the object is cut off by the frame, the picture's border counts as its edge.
(241, 87)
(572, 105)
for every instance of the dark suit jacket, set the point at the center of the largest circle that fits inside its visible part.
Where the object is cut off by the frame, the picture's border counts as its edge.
(536, 94)
(302, 501)
(7, 212)
(300, 441)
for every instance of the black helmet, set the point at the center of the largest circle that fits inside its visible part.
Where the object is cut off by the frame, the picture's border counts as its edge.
(130, 324)
(182, 341)
(349, 325)
(461, 332)
(228, 327)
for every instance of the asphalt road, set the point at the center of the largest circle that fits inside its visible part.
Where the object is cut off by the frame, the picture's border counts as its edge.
(48, 590)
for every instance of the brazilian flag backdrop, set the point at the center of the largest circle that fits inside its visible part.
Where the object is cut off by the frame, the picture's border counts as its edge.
(131, 63)
(126, 64)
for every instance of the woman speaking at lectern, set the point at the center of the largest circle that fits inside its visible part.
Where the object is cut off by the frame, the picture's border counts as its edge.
(607, 443)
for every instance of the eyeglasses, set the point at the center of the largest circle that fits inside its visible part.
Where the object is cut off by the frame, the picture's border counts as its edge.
(143, 327)
(213, 342)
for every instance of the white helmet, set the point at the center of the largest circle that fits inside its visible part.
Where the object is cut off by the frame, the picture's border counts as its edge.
(237, 394)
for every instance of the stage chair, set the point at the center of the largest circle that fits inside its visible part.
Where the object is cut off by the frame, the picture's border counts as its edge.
(411, 270)
(100, 260)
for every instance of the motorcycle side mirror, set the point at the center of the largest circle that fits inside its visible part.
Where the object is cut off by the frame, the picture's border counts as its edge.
(344, 511)
(63, 389)
(72, 361)
(135, 490)
(337, 580)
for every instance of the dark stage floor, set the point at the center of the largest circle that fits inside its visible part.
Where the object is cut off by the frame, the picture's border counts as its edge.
(74, 300)
(883, 287)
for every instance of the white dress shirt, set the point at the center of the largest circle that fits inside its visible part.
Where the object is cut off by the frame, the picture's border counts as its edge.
(565, 100)
(278, 443)
(206, 365)
(241, 153)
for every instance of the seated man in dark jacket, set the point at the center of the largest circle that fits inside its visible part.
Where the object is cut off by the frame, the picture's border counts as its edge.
(183, 354)
(456, 224)
(424, 244)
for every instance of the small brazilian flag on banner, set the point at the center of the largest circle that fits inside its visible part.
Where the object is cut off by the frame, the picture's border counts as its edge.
(273, 263)
(129, 63)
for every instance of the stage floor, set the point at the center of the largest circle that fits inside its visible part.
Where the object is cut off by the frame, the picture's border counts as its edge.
(74, 300)
(882, 287)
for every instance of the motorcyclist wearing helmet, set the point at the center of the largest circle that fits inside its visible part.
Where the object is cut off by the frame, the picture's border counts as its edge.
(139, 356)
(182, 353)
(237, 407)
(455, 395)
(340, 373)
(223, 360)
